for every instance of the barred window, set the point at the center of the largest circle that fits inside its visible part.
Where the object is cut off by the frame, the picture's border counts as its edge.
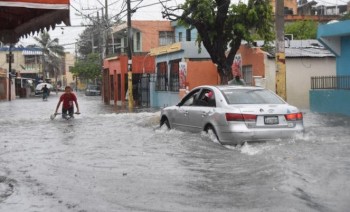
(166, 37)
(174, 75)
(162, 78)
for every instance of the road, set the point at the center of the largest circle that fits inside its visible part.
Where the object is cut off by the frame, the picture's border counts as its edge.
(108, 160)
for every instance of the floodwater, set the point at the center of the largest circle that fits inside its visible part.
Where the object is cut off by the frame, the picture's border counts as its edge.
(106, 160)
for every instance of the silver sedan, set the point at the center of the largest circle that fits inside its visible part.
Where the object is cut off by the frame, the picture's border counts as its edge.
(235, 114)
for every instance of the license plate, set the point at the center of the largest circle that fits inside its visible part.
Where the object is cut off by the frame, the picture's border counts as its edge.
(271, 120)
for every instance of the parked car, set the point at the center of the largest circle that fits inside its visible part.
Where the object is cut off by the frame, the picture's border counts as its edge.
(92, 90)
(235, 114)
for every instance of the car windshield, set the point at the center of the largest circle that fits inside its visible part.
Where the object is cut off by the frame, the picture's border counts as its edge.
(93, 87)
(251, 96)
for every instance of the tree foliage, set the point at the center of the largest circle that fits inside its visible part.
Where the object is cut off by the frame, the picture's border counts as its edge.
(223, 26)
(301, 30)
(53, 52)
(89, 68)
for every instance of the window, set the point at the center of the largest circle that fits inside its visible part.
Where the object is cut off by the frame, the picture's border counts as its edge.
(8, 58)
(249, 96)
(31, 59)
(180, 36)
(174, 75)
(188, 34)
(162, 78)
(138, 41)
(190, 98)
(166, 37)
(206, 99)
(247, 75)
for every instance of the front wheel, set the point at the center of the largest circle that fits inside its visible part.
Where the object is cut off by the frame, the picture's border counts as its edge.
(165, 122)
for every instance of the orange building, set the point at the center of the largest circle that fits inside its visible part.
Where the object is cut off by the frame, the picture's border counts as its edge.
(146, 35)
(115, 78)
(252, 63)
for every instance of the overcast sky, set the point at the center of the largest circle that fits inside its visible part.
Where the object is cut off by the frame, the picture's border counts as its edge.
(80, 9)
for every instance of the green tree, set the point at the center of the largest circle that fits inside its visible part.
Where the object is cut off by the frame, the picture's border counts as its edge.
(301, 30)
(89, 68)
(222, 27)
(52, 53)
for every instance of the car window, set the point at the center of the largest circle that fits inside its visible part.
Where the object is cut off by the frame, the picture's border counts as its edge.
(206, 98)
(249, 96)
(190, 98)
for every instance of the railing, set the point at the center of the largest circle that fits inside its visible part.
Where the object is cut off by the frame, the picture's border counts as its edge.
(331, 82)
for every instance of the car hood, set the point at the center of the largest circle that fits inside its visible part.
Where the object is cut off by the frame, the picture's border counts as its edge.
(266, 109)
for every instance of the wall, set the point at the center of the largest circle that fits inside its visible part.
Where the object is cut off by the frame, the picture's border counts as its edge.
(118, 66)
(183, 30)
(150, 32)
(3, 84)
(343, 62)
(18, 60)
(254, 57)
(70, 60)
(164, 98)
(298, 73)
(201, 73)
(330, 101)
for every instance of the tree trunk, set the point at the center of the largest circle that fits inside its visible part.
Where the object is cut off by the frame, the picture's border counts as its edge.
(225, 75)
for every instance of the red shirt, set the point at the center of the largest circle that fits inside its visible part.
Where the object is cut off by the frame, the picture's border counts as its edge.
(68, 99)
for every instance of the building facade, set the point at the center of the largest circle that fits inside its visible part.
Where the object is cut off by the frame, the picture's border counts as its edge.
(146, 35)
(331, 93)
(304, 60)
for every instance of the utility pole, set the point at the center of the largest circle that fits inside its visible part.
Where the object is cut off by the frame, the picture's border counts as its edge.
(105, 82)
(130, 97)
(280, 51)
(107, 25)
(10, 68)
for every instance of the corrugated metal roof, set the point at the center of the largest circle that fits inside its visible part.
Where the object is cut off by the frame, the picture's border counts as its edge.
(302, 48)
(307, 52)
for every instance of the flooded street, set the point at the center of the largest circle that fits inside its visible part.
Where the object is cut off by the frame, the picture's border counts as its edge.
(105, 161)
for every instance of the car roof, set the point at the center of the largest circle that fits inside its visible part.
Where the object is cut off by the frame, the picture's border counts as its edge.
(228, 87)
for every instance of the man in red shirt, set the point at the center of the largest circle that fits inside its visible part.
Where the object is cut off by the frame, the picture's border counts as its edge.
(67, 107)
